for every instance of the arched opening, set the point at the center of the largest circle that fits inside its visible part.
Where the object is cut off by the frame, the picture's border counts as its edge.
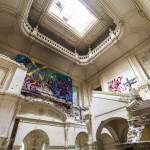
(82, 141)
(35, 140)
(110, 132)
(107, 141)
(146, 134)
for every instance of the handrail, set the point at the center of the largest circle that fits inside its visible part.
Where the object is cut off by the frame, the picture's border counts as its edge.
(34, 34)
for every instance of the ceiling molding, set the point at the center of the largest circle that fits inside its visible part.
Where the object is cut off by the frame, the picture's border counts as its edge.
(35, 35)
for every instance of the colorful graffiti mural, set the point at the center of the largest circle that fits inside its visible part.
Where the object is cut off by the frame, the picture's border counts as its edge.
(41, 80)
(118, 84)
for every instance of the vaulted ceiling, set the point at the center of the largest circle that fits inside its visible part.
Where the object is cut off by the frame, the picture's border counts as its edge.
(134, 22)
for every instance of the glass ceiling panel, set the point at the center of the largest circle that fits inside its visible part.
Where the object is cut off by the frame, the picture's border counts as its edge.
(73, 14)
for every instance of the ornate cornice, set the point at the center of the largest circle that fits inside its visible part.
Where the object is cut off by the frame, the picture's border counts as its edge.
(92, 54)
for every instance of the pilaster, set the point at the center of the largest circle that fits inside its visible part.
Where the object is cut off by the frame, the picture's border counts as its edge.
(137, 68)
(3, 143)
(143, 87)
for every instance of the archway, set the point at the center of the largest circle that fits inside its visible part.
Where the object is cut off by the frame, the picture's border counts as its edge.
(117, 129)
(36, 140)
(146, 134)
(107, 141)
(82, 141)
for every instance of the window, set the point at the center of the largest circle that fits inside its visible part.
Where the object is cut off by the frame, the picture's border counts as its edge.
(75, 95)
(73, 14)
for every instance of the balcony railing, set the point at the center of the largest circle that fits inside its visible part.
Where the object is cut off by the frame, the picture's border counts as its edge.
(34, 34)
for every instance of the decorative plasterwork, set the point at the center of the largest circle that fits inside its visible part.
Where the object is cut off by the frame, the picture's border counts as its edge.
(92, 54)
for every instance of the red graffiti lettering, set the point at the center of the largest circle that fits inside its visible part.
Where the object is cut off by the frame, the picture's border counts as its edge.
(116, 85)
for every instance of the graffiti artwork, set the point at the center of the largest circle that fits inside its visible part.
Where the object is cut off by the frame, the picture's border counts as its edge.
(41, 80)
(117, 84)
(130, 82)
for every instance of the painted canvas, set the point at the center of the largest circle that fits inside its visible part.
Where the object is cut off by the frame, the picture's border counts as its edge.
(43, 81)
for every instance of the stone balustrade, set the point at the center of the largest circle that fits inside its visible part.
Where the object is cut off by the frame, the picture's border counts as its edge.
(34, 34)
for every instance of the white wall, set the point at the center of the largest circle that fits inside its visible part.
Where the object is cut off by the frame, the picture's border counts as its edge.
(114, 77)
(55, 133)
(105, 107)
(60, 135)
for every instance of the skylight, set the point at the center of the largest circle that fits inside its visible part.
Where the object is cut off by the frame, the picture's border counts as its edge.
(73, 14)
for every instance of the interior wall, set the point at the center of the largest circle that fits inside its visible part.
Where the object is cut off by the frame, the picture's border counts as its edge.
(59, 135)
(134, 65)
(76, 82)
(25, 127)
(112, 112)
(115, 78)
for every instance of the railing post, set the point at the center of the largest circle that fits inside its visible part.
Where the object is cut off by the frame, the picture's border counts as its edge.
(76, 54)
(35, 31)
(111, 34)
(90, 52)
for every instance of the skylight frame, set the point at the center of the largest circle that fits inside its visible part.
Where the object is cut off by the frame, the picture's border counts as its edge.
(66, 25)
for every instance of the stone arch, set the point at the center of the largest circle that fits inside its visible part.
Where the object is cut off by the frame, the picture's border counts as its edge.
(107, 141)
(146, 133)
(117, 127)
(112, 133)
(36, 140)
(81, 141)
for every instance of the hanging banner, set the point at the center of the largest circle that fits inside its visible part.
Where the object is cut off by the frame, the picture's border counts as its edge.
(43, 81)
